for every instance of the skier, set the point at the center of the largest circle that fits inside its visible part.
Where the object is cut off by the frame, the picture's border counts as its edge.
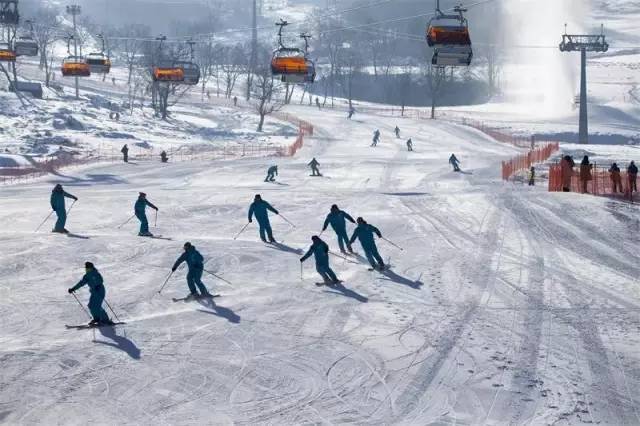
(318, 103)
(616, 179)
(163, 157)
(632, 171)
(195, 263)
(320, 250)
(352, 111)
(409, 145)
(532, 176)
(140, 212)
(93, 279)
(365, 233)
(58, 205)
(273, 171)
(125, 153)
(397, 131)
(314, 167)
(260, 209)
(235, 101)
(454, 162)
(376, 138)
(585, 173)
(337, 218)
(566, 168)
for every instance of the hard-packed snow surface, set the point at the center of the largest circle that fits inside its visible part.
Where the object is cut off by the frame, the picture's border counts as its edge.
(508, 305)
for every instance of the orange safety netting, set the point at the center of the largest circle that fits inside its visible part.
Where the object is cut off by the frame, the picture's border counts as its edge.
(601, 182)
(525, 161)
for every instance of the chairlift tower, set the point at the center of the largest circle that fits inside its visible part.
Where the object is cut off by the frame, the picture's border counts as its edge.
(583, 43)
(75, 10)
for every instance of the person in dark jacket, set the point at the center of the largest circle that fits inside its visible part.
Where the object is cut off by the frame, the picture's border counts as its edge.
(616, 178)
(272, 172)
(376, 138)
(163, 157)
(532, 176)
(195, 263)
(94, 281)
(320, 250)
(453, 160)
(338, 221)
(409, 145)
(566, 169)
(58, 205)
(397, 132)
(125, 153)
(314, 167)
(632, 171)
(139, 209)
(585, 173)
(365, 233)
(261, 209)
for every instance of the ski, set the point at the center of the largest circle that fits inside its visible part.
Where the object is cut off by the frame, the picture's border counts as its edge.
(87, 326)
(328, 284)
(189, 298)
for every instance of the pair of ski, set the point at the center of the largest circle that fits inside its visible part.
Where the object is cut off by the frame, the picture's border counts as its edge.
(193, 299)
(90, 326)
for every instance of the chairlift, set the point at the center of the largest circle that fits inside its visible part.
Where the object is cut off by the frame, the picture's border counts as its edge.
(98, 62)
(190, 69)
(74, 66)
(26, 44)
(289, 63)
(448, 34)
(9, 12)
(310, 75)
(7, 54)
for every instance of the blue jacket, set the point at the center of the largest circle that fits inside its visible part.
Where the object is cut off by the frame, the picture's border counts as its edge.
(364, 232)
(273, 170)
(141, 204)
(193, 258)
(320, 250)
(337, 220)
(57, 199)
(93, 279)
(260, 210)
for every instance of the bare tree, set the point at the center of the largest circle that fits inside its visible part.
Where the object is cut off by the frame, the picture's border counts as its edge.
(234, 64)
(263, 91)
(45, 33)
(130, 45)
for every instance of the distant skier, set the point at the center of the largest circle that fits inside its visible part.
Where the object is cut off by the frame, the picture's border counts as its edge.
(338, 220)
(271, 173)
(632, 171)
(314, 167)
(93, 279)
(235, 101)
(409, 145)
(318, 103)
(397, 131)
(454, 162)
(140, 212)
(195, 263)
(585, 173)
(376, 138)
(616, 178)
(352, 111)
(125, 153)
(320, 250)
(532, 176)
(163, 157)
(260, 209)
(566, 170)
(365, 233)
(58, 205)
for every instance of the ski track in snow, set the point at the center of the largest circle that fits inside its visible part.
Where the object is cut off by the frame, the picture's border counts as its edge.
(509, 305)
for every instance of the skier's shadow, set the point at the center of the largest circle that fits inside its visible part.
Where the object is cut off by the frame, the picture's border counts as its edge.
(465, 172)
(285, 248)
(119, 342)
(392, 276)
(340, 289)
(219, 311)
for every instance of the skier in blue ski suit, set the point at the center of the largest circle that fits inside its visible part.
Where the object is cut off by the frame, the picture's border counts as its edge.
(271, 173)
(140, 211)
(365, 233)
(93, 279)
(260, 209)
(337, 218)
(453, 160)
(320, 250)
(58, 205)
(195, 262)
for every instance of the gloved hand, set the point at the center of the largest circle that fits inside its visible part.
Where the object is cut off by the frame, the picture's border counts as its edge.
(70, 291)
(173, 269)
(75, 198)
(250, 220)
(277, 212)
(301, 260)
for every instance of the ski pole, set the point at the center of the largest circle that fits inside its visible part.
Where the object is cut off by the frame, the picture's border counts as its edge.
(111, 309)
(392, 243)
(342, 257)
(301, 263)
(44, 221)
(155, 223)
(81, 306)
(218, 277)
(165, 282)
(241, 231)
(70, 207)
(287, 220)
(128, 220)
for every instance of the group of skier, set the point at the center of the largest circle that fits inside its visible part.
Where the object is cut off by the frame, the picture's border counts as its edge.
(585, 174)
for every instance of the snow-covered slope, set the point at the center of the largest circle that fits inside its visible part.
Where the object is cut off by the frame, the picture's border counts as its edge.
(507, 306)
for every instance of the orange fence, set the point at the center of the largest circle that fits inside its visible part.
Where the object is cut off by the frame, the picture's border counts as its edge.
(525, 161)
(600, 183)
